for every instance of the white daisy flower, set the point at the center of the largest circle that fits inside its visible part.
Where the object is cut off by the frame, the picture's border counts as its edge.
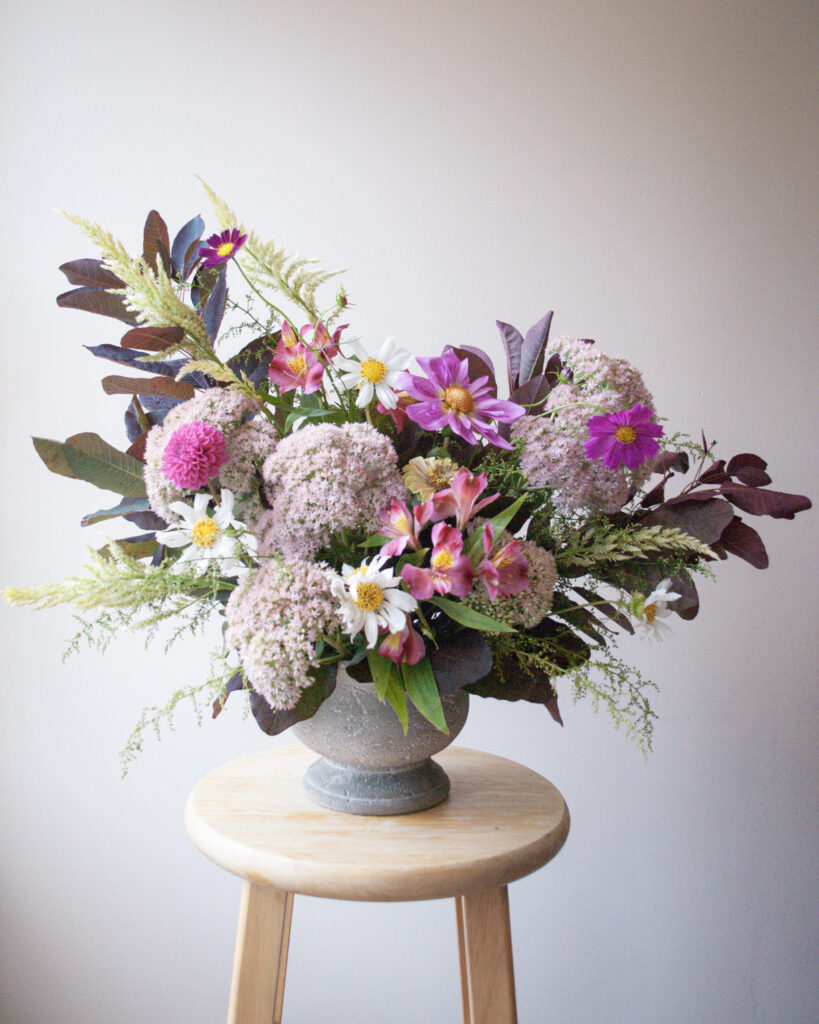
(374, 375)
(371, 599)
(216, 539)
(652, 609)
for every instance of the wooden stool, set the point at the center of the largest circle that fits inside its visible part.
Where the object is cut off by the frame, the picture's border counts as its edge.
(501, 822)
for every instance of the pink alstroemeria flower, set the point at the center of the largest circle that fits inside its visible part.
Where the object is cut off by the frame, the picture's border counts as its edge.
(323, 343)
(507, 571)
(459, 499)
(448, 398)
(295, 366)
(406, 647)
(449, 572)
(403, 526)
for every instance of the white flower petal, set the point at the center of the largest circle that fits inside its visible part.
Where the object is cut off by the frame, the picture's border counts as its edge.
(200, 505)
(365, 395)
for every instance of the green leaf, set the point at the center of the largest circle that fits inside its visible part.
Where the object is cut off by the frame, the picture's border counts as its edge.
(375, 540)
(498, 523)
(125, 508)
(132, 548)
(87, 457)
(388, 686)
(397, 698)
(422, 690)
(466, 616)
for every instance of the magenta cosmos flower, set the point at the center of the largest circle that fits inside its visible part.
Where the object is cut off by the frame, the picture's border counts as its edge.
(624, 438)
(193, 454)
(220, 248)
(448, 398)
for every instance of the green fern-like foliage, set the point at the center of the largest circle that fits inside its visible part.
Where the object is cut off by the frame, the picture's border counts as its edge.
(271, 266)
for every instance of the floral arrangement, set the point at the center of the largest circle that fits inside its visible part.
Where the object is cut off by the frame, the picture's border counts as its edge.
(329, 502)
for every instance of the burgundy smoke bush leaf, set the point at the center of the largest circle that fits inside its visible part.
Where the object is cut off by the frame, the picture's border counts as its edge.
(655, 496)
(552, 370)
(156, 245)
(532, 351)
(484, 357)
(236, 682)
(666, 462)
(704, 520)
(152, 339)
(744, 460)
(214, 308)
(711, 492)
(137, 448)
(715, 474)
(90, 274)
(532, 394)
(742, 540)
(689, 602)
(756, 502)
(97, 300)
(460, 659)
(513, 343)
(164, 386)
(185, 248)
(752, 476)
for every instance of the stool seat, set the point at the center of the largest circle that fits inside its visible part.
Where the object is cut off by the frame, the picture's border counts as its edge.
(502, 821)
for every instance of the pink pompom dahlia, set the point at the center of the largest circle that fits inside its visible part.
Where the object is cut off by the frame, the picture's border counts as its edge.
(624, 438)
(448, 398)
(193, 455)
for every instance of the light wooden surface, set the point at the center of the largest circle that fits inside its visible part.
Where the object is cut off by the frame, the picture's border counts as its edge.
(502, 821)
(485, 948)
(260, 961)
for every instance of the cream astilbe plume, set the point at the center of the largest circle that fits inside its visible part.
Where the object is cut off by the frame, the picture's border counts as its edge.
(271, 266)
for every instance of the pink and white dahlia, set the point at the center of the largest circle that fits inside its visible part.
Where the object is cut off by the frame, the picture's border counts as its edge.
(193, 454)
(446, 397)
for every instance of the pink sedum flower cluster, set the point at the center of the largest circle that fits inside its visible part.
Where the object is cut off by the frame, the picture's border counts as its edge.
(554, 444)
(275, 617)
(326, 478)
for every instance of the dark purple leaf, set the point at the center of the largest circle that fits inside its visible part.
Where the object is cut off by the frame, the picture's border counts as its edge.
(477, 366)
(704, 520)
(513, 343)
(136, 424)
(132, 357)
(273, 722)
(156, 245)
(752, 476)
(254, 359)
(137, 448)
(604, 608)
(744, 460)
(96, 300)
(689, 602)
(236, 682)
(460, 659)
(146, 521)
(152, 339)
(90, 274)
(554, 366)
(534, 346)
(706, 495)
(655, 496)
(758, 502)
(186, 240)
(532, 394)
(214, 309)
(670, 462)
(483, 356)
(128, 505)
(158, 407)
(742, 540)
(715, 474)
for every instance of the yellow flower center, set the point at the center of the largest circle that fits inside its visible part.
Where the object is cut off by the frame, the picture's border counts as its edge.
(204, 533)
(373, 370)
(297, 365)
(458, 399)
(225, 249)
(369, 597)
(443, 560)
(626, 435)
(441, 474)
(650, 612)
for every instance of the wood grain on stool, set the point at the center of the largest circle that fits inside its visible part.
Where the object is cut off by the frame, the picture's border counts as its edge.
(502, 821)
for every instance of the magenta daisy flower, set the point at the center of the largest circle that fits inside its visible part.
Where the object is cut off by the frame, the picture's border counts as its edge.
(448, 398)
(220, 248)
(193, 455)
(624, 438)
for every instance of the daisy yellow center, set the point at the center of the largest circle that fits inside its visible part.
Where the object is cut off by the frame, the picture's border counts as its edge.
(650, 612)
(373, 370)
(204, 533)
(458, 399)
(297, 365)
(225, 249)
(443, 560)
(626, 435)
(369, 597)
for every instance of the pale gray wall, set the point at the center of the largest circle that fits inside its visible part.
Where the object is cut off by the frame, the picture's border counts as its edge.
(646, 169)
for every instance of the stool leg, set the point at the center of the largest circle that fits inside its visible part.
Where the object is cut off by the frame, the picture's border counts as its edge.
(485, 948)
(260, 961)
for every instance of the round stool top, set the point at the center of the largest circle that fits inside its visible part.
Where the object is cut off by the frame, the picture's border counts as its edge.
(500, 822)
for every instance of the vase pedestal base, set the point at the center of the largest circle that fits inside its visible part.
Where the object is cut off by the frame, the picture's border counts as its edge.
(384, 791)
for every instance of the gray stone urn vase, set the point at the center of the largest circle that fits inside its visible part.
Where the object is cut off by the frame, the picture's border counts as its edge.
(368, 765)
